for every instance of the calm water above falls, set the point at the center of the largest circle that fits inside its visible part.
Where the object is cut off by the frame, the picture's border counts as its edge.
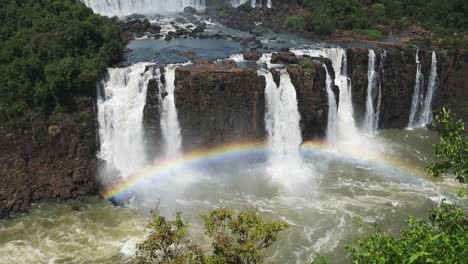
(349, 189)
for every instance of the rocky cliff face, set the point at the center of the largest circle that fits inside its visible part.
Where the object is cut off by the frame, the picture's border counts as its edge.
(309, 80)
(453, 81)
(40, 161)
(219, 103)
(398, 81)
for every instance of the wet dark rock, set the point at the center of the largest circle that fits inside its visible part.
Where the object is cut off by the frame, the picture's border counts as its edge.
(181, 20)
(284, 58)
(190, 10)
(219, 103)
(312, 98)
(251, 56)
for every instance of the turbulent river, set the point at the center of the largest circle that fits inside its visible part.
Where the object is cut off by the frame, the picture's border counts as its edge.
(347, 192)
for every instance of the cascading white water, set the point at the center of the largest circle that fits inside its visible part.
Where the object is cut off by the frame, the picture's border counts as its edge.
(127, 7)
(169, 122)
(371, 117)
(421, 106)
(426, 117)
(418, 96)
(284, 134)
(121, 99)
(253, 3)
(346, 126)
(332, 109)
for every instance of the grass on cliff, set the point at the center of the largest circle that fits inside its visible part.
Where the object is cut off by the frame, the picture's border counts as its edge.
(51, 52)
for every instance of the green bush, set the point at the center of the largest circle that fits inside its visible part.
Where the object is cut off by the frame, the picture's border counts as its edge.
(295, 23)
(442, 239)
(452, 150)
(52, 51)
(372, 34)
(238, 237)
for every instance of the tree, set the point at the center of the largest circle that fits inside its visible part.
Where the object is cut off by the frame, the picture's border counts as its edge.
(168, 243)
(442, 239)
(238, 237)
(452, 150)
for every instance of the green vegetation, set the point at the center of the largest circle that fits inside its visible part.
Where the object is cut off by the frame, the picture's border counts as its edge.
(295, 22)
(452, 150)
(446, 18)
(372, 34)
(51, 52)
(238, 238)
(442, 239)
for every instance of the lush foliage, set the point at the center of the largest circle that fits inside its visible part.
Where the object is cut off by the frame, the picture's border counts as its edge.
(441, 16)
(452, 150)
(295, 22)
(442, 239)
(51, 52)
(167, 242)
(238, 237)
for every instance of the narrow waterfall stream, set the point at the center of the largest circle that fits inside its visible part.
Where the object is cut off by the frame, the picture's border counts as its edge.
(120, 103)
(169, 122)
(421, 106)
(418, 96)
(332, 109)
(371, 117)
(426, 116)
(374, 92)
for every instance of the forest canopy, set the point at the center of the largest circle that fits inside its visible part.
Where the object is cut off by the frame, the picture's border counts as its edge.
(51, 53)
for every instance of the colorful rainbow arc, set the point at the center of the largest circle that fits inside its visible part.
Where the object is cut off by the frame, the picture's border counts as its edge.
(223, 152)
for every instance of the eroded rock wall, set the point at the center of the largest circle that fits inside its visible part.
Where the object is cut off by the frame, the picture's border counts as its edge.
(39, 161)
(219, 103)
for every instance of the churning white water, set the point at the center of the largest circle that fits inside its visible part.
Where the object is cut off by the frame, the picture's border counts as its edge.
(332, 109)
(128, 7)
(284, 134)
(169, 122)
(421, 106)
(121, 99)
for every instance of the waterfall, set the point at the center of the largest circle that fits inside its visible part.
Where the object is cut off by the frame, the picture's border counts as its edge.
(253, 3)
(169, 122)
(127, 7)
(421, 106)
(374, 96)
(346, 126)
(332, 109)
(284, 134)
(426, 117)
(120, 101)
(418, 94)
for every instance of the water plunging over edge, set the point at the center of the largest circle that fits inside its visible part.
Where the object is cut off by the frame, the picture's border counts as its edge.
(421, 106)
(332, 109)
(170, 126)
(120, 101)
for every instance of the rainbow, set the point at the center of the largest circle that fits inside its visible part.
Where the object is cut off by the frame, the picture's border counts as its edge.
(223, 153)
